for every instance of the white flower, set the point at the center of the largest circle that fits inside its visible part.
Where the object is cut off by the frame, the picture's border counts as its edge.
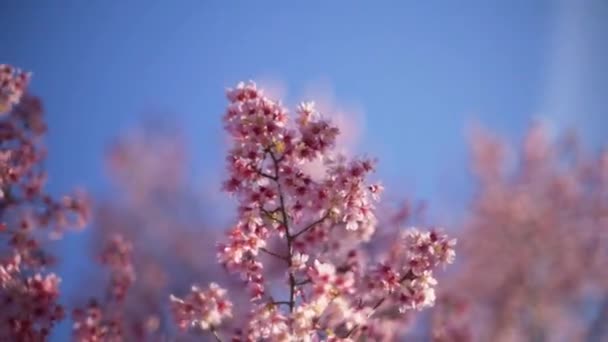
(306, 112)
(298, 260)
(352, 222)
(302, 319)
(324, 269)
(306, 107)
(376, 190)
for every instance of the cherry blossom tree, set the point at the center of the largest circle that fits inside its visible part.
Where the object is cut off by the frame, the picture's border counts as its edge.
(303, 243)
(156, 213)
(314, 226)
(534, 249)
(104, 321)
(29, 216)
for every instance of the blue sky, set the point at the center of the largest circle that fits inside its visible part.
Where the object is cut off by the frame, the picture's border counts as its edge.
(420, 73)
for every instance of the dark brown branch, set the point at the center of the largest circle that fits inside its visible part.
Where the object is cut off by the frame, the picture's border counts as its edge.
(292, 279)
(304, 282)
(215, 334)
(276, 255)
(263, 174)
(312, 225)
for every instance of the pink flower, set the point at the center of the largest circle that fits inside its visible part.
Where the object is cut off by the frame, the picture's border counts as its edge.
(298, 261)
(203, 308)
(13, 83)
(268, 323)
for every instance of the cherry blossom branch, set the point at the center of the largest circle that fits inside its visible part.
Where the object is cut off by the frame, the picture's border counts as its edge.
(292, 279)
(265, 175)
(284, 258)
(268, 151)
(281, 196)
(312, 225)
(262, 173)
(408, 275)
(304, 282)
(215, 334)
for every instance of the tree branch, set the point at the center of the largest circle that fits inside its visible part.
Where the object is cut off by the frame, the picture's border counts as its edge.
(215, 334)
(292, 279)
(310, 226)
(408, 275)
(277, 255)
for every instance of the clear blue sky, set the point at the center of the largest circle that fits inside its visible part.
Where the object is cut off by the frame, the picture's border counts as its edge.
(421, 72)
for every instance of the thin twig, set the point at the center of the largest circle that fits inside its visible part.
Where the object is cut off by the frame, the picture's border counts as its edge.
(263, 174)
(368, 316)
(277, 255)
(303, 282)
(310, 226)
(214, 333)
(281, 303)
(292, 279)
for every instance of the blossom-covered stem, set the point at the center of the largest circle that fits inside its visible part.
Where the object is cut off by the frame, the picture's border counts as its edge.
(263, 174)
(312, 225)
(408, 275)
(376, 306)
(215, 334)
(292, 279)
(276, 255)
(304, 282)
(289, 237)
(280, 199)
(292, 289)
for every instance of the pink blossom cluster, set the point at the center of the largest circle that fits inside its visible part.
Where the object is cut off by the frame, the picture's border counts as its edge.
(116, 256)
(165, 221)
(13, 83)
(312, 245)
(407, 273)
(534, 251)
(28, 216)
(451, 320)
(94, 324)
(204, 308)
(313, 226)
(29, 303)
(104, 321)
